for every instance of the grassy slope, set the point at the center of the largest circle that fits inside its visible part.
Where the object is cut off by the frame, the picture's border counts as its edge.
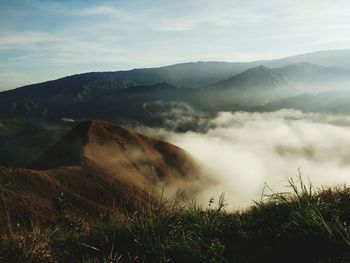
(304, 227)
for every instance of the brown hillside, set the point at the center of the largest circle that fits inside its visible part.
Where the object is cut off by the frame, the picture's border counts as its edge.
(30, 192)
(100, 167)
(119, 153)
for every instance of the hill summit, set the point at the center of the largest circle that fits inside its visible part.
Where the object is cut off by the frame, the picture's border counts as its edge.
(101, 165)
(123, 153)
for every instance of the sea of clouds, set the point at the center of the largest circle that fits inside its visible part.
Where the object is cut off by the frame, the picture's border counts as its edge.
(241, 152)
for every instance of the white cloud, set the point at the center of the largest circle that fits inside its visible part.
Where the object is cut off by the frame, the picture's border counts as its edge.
(13, 40)
(115, 35)
(209, 19)
(104, 11)
(245, 150)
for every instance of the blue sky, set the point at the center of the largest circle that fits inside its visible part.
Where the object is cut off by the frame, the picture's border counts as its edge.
(42, 40)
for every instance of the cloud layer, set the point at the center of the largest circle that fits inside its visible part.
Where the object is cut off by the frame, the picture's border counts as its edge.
(243, 151)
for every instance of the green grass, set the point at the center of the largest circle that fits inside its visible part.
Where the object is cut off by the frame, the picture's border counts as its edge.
(303, 226)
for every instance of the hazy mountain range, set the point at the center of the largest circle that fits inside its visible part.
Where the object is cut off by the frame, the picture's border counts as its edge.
(207, 85)
(177, 97)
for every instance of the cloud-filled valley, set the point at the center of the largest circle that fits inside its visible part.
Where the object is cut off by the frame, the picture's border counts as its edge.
(242, 151)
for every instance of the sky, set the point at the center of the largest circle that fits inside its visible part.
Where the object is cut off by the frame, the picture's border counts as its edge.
(43, 40)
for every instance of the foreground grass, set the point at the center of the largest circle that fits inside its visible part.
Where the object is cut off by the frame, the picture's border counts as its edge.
(304, 226)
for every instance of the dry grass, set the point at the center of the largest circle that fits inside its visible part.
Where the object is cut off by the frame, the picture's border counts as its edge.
(27, 246)
(305, 226)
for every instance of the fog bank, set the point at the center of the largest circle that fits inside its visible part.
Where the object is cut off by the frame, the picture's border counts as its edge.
(243, 151)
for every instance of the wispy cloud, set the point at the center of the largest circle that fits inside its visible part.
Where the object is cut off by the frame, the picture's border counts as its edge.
(105, 11)
(89, 35)
(14, 40)
(211, 19)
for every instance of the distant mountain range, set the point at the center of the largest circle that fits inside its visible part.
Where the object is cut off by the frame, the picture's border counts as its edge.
(316, 82)
(326, 102)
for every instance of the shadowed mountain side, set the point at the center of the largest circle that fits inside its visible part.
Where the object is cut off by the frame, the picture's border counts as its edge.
(127, 104)
(67, 152)
(23, 141)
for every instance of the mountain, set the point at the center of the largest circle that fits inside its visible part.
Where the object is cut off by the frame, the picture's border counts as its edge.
(259, 77)
(100, 166)
(39, 99)
(251, 87)
(339, 58)
(310, 77)
(263, 85)
(126, 105)
(32, 194)
(191, 74)
(336, 102)
(209, 86)
(106, 147)
(42, 100)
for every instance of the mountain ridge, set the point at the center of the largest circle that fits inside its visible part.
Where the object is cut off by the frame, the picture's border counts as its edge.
(120, 96)
(101, 166)
(100, 145)
(239, 67)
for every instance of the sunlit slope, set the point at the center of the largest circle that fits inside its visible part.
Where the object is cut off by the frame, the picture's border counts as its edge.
(101, 166)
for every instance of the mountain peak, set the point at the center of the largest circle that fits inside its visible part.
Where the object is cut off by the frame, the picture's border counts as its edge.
(120, 153)
(302, 65)
(254, 77)
(103, 166)
(262, 69)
